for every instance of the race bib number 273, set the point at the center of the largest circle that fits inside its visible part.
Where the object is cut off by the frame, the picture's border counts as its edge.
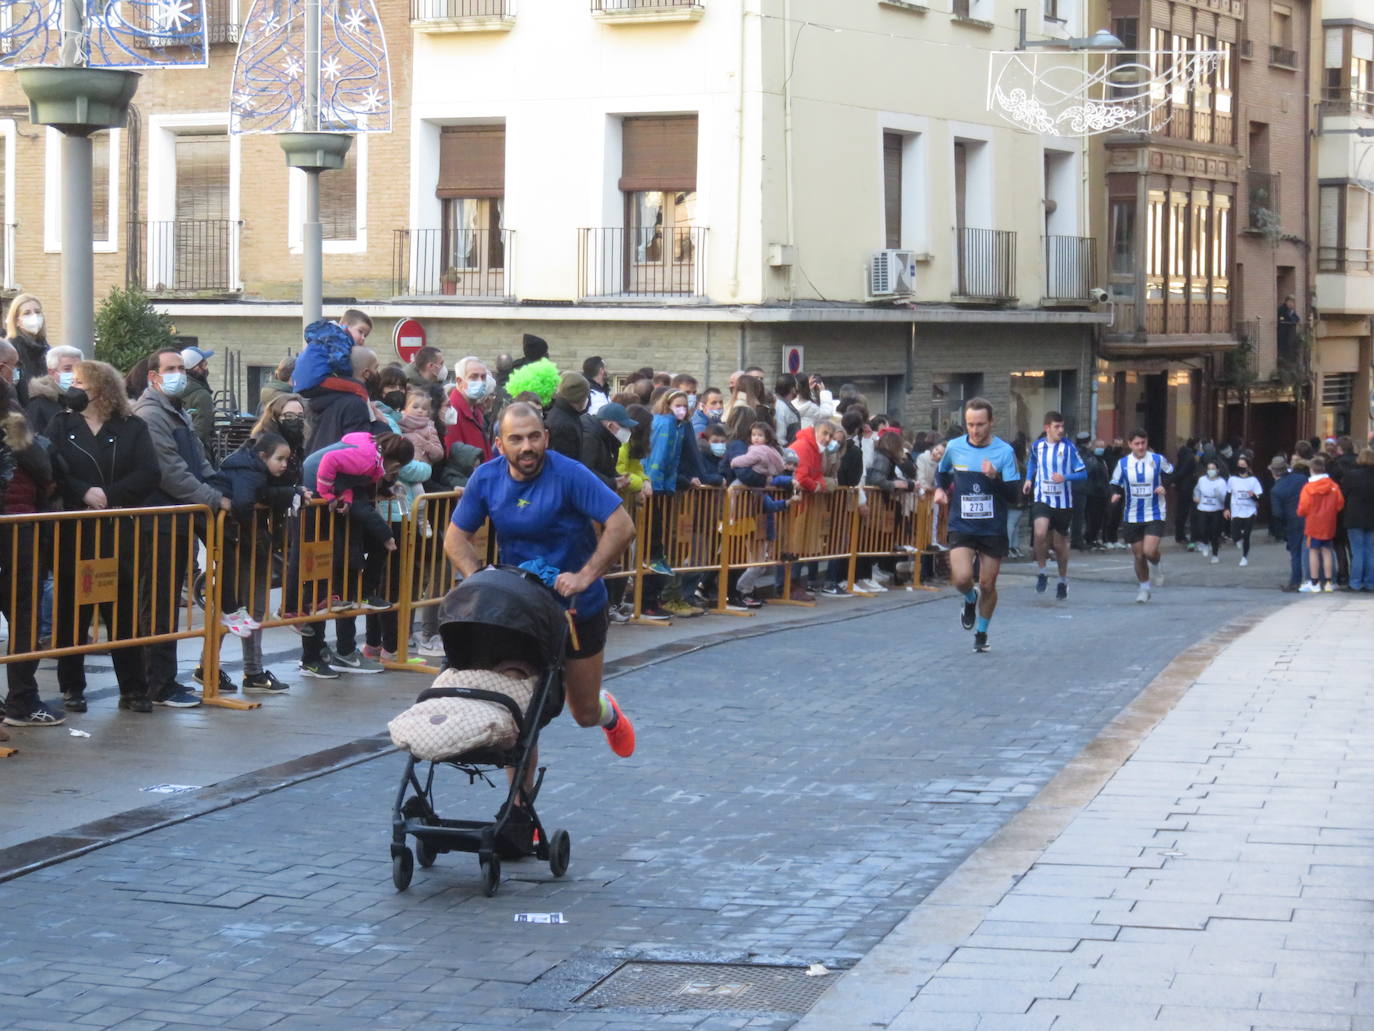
(976, 506)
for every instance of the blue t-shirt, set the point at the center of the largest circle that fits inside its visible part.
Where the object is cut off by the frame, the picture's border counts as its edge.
(977, 503)
(549, 517)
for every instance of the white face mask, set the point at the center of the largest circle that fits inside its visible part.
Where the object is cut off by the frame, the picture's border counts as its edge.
(442, 374)
(622, 435)
(691, 400)
(1212, 474)
(31, 324)
(450, 416)
(66, 379)
(476, 389)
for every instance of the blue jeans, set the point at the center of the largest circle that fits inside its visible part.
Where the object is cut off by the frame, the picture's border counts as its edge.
(1361, 559)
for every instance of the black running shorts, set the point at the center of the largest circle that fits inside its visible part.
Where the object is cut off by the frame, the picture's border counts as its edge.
(1132, 532)
(591, 636)
(992, 547)
(1059, 518)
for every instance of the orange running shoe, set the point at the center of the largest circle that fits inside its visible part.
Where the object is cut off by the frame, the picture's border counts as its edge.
(620, 736)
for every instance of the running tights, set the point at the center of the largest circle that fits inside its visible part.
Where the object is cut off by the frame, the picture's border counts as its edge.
(1209, 529)
(1240, 532)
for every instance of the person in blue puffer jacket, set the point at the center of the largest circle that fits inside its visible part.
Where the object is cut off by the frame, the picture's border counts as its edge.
(666, 436)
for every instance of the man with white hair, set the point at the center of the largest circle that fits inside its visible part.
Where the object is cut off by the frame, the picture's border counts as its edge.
(474, 385)
(45, 392)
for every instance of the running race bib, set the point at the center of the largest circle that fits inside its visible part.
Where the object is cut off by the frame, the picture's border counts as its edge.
(1142, 490)
(1050, 487)
(1244, 495)
(976, 506)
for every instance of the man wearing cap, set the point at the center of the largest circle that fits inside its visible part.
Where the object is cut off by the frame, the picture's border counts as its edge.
(564, 418)
(197, 401)
(603, 431)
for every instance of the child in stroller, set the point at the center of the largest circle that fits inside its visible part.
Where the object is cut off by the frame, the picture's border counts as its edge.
(505, 635)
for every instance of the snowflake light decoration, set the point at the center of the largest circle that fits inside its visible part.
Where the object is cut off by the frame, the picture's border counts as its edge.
(116, 34)
(269, 71)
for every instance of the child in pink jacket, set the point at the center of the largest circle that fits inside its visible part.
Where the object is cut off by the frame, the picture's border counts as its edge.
(347, 478)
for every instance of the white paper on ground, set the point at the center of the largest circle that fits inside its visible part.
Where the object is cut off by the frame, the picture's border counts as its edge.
(539, 918)
(170, 789)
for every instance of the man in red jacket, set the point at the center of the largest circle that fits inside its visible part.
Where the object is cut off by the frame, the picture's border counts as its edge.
(1319, 504)
(468, 426)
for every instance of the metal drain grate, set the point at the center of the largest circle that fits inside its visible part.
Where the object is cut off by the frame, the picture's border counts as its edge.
(707, 986)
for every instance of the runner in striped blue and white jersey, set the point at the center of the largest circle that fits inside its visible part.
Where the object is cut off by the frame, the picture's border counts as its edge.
(1051, 471)
(1140, 479)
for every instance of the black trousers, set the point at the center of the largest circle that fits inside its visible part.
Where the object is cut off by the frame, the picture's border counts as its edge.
(1095, 515)
(21, 580)
(1209, 529)
(168, 544)
(1183, 509)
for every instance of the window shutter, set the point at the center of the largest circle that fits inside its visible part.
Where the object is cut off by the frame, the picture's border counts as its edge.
(1206, 23)
(1329, 219)
(472, 161)
(892, 188)
(1183, 20)
(659, 153)
(1226, 30)
(1159, 14)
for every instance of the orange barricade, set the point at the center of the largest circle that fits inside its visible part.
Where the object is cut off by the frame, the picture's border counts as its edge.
(126, 571)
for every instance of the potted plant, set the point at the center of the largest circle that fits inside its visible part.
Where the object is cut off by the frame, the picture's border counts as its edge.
(448, 282)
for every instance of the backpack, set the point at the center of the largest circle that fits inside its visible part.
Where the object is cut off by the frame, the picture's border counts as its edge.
(328, 350)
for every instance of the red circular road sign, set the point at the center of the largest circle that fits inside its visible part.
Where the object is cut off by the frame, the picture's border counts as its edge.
(408, 337)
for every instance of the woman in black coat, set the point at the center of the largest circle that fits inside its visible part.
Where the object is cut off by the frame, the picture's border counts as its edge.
(104, 460)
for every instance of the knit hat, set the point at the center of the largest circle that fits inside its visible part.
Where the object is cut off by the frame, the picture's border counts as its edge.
(573, 388)
(534, 347)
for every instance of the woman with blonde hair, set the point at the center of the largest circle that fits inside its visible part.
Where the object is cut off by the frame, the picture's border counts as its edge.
(103, 459)
(26, 329)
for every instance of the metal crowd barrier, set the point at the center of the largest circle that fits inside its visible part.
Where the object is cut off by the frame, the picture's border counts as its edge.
(129, 570)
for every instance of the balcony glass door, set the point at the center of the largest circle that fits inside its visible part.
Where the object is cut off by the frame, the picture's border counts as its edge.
(473, 247)
(194, 249)
(660, 254)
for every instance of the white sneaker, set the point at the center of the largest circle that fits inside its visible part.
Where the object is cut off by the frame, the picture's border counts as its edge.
(1142, 595)
(1308, 587)
(876, 586)
(1215, 559)
(432, 646)
(1204, 550)
(1328, 588)
(1244, 560)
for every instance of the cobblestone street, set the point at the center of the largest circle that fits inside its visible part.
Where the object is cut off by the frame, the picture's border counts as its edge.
(793, 797)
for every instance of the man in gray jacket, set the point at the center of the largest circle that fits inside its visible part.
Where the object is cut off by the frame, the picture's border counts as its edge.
(169, 540)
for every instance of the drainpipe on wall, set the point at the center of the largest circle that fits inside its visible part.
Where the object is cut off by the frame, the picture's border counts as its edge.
(787, 58)
(739, 160)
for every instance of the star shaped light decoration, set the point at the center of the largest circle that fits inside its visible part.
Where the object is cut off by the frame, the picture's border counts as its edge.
(269, 70)
(116, 33)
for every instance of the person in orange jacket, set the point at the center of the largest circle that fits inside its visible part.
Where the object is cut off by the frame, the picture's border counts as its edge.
(1319, 504)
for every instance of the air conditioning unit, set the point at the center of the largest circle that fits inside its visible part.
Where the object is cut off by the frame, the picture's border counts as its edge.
(892, 274)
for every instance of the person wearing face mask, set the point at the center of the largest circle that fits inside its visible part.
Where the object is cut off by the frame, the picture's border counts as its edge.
(1209, 496)
(429, 372)
(26, 330)
(1242, 489)
(468, 426)
(666, 434)
(197, 399)
(183, 474)
(46, 393)
(603, 433)
(1095, 491)
(710, 411)
(343, 404)
(100, 458)
(564, 417)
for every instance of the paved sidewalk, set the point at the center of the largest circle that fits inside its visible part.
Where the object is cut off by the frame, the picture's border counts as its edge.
(1214, 870)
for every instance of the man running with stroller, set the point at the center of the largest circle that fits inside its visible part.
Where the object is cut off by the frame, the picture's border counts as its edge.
(544, 506)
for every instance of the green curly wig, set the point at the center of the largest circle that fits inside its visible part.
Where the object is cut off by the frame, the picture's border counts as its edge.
(541, 377)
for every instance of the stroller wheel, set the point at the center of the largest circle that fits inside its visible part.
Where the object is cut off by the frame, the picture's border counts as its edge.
(491, 874)
(402, 869)
(560, 850)
(425, 853)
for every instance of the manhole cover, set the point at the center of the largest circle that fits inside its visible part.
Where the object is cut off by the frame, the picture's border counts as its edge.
(707, 986)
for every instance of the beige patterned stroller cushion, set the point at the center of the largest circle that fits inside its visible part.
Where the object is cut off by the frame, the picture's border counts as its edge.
(441, 727)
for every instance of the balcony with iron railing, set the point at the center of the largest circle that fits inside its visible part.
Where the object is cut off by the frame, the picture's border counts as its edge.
(1262, 191)
(221, 22)
(987, 265)
(185, 257)
(1339, 100)
(466, 264)
(1070, 264)
(641, 263)
(435, 16)
(639, 11)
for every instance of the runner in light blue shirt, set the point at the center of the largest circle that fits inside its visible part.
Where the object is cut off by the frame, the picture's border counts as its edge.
(976, 478)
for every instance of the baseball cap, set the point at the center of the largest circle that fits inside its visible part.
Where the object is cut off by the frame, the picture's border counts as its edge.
(193, 356)
(612, 412)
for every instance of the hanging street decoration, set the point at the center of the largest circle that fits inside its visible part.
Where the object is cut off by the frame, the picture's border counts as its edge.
(102, 33)
(269, 93)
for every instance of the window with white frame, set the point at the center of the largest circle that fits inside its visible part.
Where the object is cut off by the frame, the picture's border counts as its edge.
(7, 135)
(905, 185)
(105, 151)
(343, 203)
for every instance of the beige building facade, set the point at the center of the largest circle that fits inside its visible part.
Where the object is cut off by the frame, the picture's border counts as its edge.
(695, 185)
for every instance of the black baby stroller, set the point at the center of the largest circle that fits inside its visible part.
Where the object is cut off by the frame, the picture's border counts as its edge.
(497, 614)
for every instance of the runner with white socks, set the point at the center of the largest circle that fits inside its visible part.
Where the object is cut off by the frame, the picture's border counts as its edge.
(1051, 471)
(1139, 478)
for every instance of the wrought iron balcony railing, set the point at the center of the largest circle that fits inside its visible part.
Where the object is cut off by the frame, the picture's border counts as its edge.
(185, 256)
(987, 264)
(455, 10)
(642, 262)
(470, 263)
(1069, 269)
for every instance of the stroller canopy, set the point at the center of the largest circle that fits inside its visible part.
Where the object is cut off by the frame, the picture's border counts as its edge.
(481, 614)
